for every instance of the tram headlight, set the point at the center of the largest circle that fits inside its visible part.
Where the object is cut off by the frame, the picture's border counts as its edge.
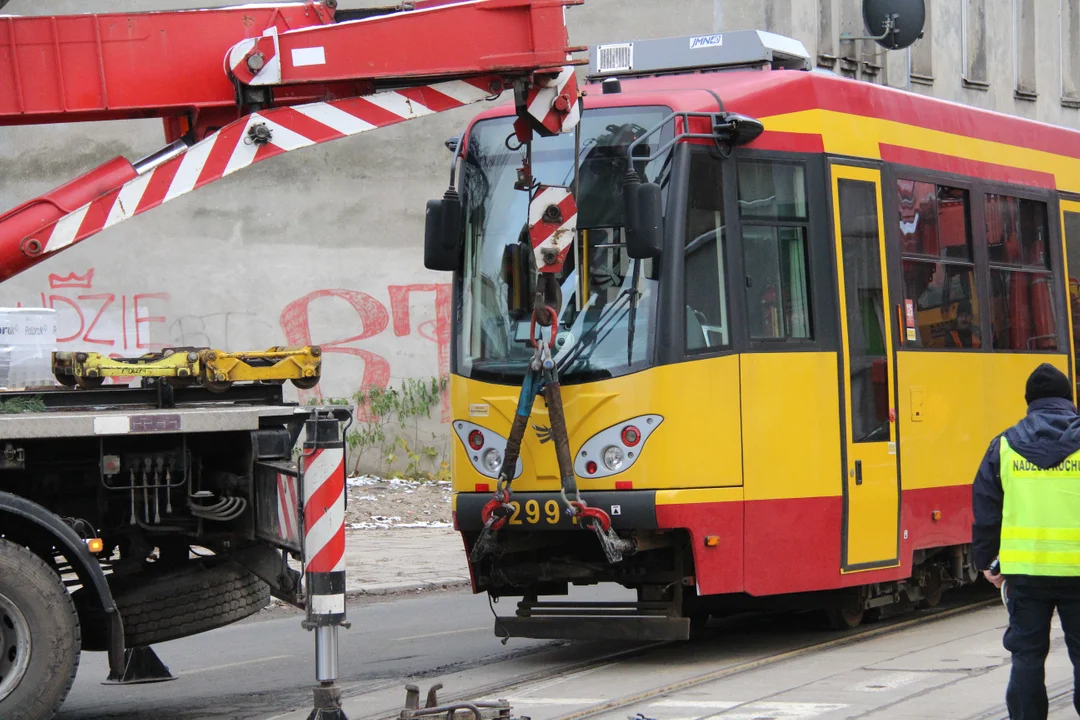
(613, 458)
(615, 449)
(484, 448)
(493, 460)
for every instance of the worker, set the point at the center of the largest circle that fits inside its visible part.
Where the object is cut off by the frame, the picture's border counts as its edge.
(1026, 503)
(965, 334)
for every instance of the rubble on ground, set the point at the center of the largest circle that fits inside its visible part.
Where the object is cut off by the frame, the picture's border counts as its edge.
(397, 503)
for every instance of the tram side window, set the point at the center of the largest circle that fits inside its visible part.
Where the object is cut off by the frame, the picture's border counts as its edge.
(941, 304)
(1022, 309)
(1072, 256)
(865, 310)
(704, 284)
(773, 211)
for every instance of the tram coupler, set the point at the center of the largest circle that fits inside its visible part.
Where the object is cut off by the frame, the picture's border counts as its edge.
(322, 463)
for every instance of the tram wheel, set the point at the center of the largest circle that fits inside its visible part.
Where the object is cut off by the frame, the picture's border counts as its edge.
(844, 618)
(931, 600)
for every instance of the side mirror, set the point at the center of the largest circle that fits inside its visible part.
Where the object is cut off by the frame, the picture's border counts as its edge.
(442, 233)
(643, 217)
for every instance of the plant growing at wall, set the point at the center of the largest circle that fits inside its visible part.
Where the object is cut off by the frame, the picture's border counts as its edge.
(391, 433)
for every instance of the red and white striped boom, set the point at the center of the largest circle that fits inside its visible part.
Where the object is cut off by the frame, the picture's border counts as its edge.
(238, 85)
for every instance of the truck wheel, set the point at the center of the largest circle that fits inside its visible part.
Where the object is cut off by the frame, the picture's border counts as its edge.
(39, 636)
(187, 601)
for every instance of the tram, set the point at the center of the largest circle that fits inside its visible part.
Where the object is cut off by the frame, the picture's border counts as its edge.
(783, 400)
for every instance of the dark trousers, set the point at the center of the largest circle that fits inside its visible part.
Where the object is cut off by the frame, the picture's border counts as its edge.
(1031, 608)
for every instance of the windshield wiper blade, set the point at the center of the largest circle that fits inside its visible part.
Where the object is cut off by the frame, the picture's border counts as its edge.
(592, 338)
(633, 313)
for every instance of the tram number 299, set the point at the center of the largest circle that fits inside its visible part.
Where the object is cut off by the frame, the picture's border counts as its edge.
(540, 513)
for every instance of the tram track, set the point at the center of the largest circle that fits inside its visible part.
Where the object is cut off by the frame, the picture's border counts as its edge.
(508, 687)
(526, 679)
(854, 637)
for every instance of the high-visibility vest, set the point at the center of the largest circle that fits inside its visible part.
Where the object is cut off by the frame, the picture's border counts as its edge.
(975, 341)
(1040, 521)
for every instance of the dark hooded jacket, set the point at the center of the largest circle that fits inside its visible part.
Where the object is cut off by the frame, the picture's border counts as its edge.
(1048, 435)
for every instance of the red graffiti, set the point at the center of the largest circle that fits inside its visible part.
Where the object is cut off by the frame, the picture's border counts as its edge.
(295, 322)
(101, 320)
(399, 307)
(374, 319)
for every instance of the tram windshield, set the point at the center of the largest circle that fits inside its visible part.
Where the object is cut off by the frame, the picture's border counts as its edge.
(606, 321)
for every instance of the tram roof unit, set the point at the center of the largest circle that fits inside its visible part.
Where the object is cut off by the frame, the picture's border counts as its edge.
(738, 50)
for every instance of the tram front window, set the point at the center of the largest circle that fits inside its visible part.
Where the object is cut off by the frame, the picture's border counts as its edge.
(608, 300)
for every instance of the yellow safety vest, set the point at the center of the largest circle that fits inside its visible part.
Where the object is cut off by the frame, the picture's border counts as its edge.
(1040, 521)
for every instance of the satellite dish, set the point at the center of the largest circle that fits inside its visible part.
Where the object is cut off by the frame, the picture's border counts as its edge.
(894, 24)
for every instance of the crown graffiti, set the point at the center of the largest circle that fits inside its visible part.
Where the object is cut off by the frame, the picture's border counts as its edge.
(71, 280)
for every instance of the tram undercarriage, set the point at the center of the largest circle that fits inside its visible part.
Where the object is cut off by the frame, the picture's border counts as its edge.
(539, 566)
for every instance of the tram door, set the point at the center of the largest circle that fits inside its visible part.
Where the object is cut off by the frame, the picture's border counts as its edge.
(871, 488)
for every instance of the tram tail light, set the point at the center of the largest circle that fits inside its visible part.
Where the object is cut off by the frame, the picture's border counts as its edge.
(476, 440)
(615, 449)
(484, 449)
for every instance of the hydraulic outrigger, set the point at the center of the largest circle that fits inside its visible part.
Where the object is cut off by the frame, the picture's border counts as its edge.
(185, 366)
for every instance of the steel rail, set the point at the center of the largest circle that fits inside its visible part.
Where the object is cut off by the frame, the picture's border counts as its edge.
(505, 688)
(855, 637)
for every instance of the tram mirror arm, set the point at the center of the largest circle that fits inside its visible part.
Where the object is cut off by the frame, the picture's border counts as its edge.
(643, 218)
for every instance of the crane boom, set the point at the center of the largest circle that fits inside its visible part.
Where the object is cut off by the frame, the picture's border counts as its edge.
(235, 86)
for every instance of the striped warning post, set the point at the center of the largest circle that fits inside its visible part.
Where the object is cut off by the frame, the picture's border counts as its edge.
(323, 464)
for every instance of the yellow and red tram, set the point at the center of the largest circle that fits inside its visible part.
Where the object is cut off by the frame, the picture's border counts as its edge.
(790, 400)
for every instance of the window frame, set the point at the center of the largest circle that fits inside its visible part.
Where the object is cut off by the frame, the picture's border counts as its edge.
(824, 327)
(893, 213)
(724, 246)
(977, 189)
(1056, 247)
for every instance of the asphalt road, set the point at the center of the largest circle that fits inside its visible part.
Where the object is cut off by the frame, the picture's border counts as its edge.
(264, 666)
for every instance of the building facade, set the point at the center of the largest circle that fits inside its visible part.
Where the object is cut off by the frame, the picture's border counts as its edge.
(1020, 57)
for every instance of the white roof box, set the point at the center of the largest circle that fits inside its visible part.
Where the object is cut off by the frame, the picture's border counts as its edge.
(698, 53)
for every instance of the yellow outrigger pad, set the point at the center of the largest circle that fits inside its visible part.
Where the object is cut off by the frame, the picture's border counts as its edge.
(184, 366)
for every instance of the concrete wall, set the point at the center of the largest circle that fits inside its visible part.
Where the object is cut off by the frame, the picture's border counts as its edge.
(324, 245)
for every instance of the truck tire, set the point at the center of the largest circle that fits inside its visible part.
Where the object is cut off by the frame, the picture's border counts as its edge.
(39, 634)
(187, 601)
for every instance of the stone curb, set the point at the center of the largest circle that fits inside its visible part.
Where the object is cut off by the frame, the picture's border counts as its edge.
(390, 588)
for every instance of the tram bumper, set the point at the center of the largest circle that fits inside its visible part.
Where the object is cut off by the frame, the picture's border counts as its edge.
(579, 627)
(538, 513)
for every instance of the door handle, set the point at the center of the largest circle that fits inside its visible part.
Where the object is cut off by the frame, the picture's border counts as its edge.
(858, 472)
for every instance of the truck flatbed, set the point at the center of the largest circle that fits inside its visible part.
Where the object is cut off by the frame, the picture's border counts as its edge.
(153, 410)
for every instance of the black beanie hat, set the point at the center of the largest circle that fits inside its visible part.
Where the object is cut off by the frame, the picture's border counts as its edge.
(1047, 382)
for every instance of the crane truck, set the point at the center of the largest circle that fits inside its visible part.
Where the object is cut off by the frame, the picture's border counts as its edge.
(131, 515)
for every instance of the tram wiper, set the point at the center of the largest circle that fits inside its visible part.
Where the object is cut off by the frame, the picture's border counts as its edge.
(606, 321)
(633, 313)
